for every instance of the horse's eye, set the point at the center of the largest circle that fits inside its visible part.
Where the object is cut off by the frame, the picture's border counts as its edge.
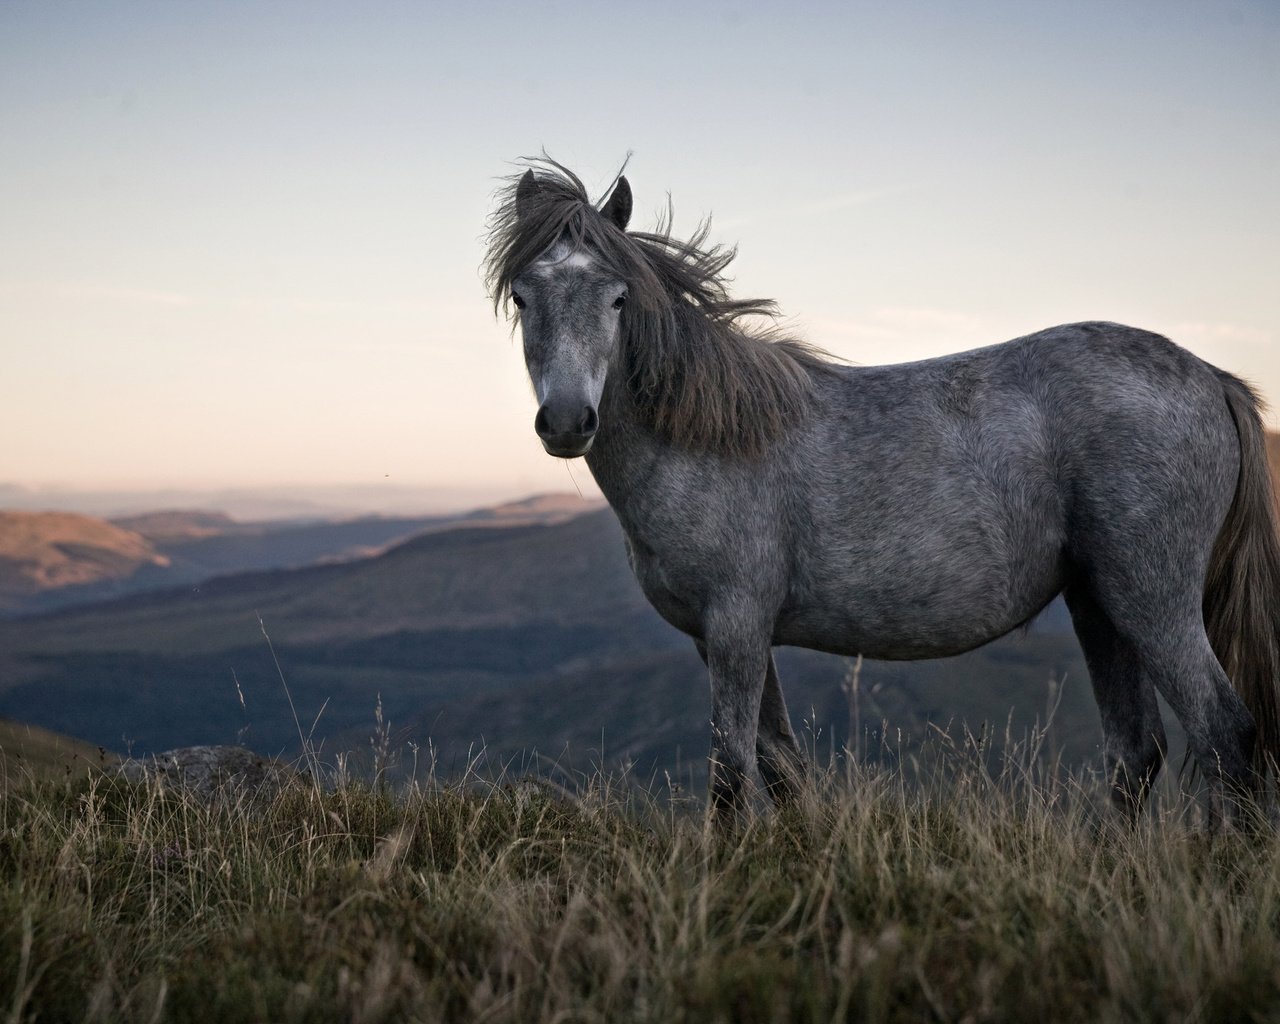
(619, 302)
(515, 297)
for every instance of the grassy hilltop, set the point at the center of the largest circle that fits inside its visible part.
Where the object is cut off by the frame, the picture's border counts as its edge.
(983, 897)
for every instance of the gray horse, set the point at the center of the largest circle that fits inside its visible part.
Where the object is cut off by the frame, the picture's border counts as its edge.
(770, 495)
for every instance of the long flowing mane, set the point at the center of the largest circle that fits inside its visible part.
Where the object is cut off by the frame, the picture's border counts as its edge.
(705, 371)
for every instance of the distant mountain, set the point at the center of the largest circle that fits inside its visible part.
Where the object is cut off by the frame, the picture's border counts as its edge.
(528, 638)
(173, 547)
(312, 502)
(181, 524)
(43, 551)
(541, 508)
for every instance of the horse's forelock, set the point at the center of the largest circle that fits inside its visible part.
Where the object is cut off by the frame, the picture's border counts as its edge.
(701, 375)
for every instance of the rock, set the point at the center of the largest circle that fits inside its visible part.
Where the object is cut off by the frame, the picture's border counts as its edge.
(213, 772)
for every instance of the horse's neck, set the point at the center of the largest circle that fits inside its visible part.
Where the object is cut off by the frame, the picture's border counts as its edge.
(625, 451)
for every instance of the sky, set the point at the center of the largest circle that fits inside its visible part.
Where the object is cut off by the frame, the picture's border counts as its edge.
(241, 243)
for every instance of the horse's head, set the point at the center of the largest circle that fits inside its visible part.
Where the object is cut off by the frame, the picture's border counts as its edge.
(570, 304)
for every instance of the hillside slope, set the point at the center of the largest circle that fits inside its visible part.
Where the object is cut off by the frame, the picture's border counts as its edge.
(529, 637)
(159, 550)
(180, 524)
(532, 637)
(43, 551)
(28, 752)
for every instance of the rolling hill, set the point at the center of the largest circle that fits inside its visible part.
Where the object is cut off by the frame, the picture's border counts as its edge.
(49, 551)
(51, 560)
(28, 753)
(531, 637)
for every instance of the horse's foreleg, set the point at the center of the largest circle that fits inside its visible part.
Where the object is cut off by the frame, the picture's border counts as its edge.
(782, 764)
(738, 663)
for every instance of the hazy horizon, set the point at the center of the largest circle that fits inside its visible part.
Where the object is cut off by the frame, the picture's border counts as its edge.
(242, 242)
(316, 501)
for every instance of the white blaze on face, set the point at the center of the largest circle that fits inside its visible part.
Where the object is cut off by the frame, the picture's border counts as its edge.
(563, 257)
(577, 260)
(570, 364)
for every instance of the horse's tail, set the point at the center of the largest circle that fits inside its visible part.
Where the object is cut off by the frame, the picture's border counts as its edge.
(1242, 587)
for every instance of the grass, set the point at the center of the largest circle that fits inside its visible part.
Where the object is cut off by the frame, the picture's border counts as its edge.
(955, 895)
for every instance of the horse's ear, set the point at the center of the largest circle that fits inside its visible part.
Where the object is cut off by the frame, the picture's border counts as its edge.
(618, 208)
(526, 192)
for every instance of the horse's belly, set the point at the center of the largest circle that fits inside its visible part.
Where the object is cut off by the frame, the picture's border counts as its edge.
(940, 637)
(904, 617)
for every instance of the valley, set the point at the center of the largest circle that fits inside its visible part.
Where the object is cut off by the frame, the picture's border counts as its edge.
(527, 639)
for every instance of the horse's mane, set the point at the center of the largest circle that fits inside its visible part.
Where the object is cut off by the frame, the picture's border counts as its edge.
(706, 371)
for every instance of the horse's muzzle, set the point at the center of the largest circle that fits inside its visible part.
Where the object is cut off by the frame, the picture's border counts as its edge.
(566, 436)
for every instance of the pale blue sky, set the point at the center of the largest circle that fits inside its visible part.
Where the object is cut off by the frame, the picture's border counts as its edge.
(239, 242)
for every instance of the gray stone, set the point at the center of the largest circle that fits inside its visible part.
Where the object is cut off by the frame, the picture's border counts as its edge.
(213, 772)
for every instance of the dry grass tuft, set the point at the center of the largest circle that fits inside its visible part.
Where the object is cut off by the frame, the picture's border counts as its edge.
(971, 895)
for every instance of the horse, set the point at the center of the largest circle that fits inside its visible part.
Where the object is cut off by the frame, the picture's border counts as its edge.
(770, 494)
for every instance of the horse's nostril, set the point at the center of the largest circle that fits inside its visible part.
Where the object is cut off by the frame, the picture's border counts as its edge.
(557, 427)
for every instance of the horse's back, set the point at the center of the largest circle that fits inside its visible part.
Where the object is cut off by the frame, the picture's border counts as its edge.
(1049, 417)
(949, 498)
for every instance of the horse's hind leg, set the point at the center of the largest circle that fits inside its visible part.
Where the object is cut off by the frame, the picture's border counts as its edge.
(1220, 730)
(1167, 637)
(782, 764)
(1133, 734)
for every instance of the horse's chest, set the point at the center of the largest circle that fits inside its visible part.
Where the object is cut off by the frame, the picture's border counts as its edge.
(676, 594)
